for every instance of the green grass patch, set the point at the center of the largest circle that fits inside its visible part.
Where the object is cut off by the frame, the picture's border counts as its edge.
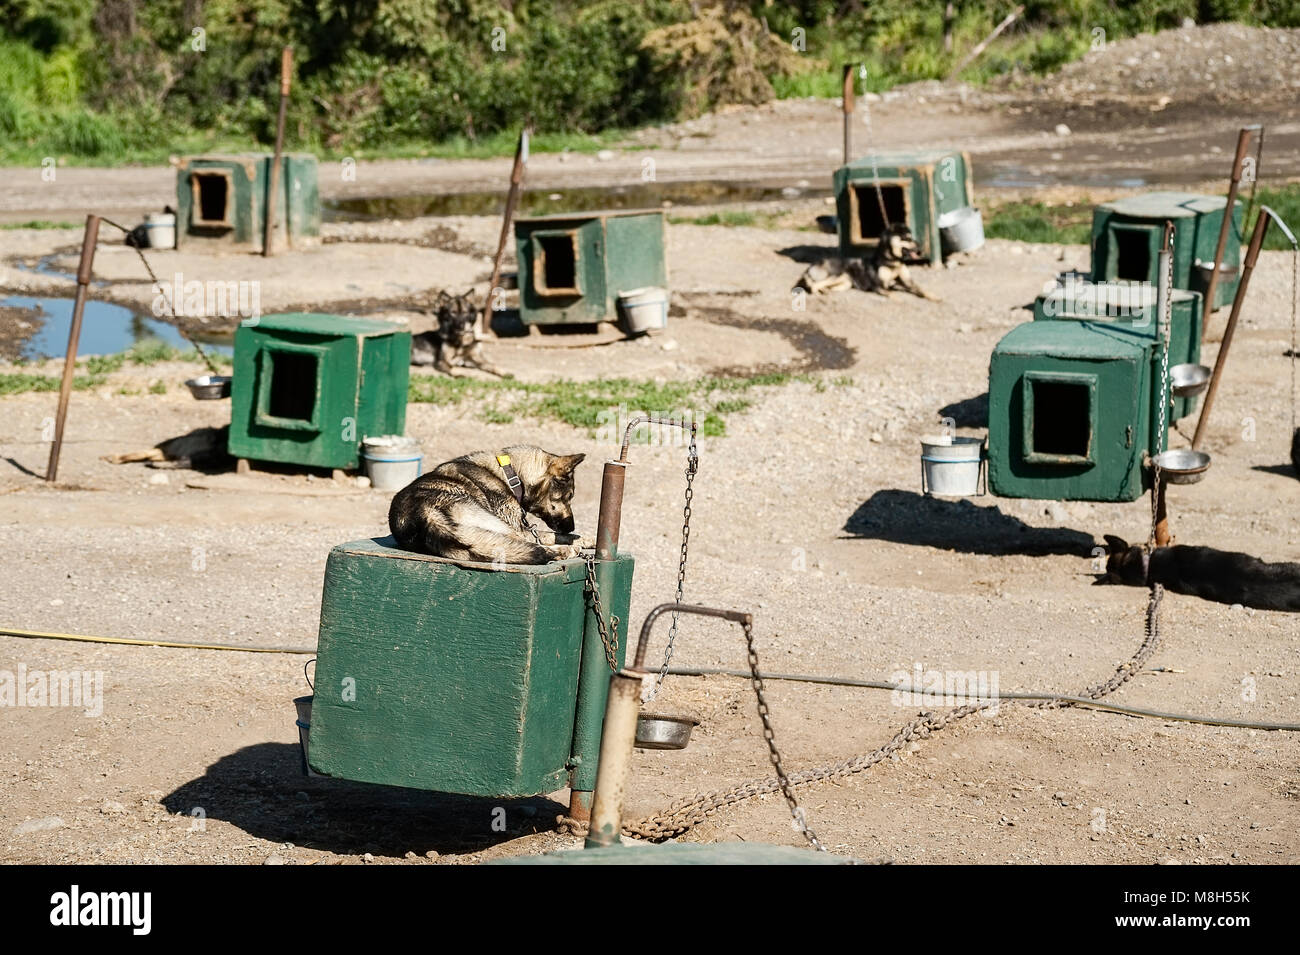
(730, 218)
(602, 403)
(97, 368)
(1285, 201)
(1039, 222)
(41, 224)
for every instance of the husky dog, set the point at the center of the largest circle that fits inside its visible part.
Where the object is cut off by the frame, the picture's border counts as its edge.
(882, 272)
(452, 343)
(1223, 576)
(476, 508)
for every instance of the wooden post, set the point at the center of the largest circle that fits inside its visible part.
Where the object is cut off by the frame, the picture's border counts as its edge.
(983, 44)
(1252, 253)
(848, 112)
(512, 198)
(88, 241)
(286, 68)
(1243, 143)
(949, 14)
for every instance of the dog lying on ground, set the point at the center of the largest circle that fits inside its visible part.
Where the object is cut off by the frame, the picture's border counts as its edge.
(476, 508)
(883, 271)
(1225, 577)
(201, 448)
(452, 343)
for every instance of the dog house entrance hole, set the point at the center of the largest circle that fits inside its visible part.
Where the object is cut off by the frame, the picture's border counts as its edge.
(293, 385)
(870, 223)
(212, 198)
(559, 254)
(1062, 418)
(1133, 255)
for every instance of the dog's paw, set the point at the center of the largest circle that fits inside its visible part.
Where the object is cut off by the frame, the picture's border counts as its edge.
(565, 551)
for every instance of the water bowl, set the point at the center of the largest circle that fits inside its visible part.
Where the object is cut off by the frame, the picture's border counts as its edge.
(1182, 465)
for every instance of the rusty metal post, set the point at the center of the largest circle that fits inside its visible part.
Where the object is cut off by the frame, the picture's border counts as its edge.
(617, 740)
(1243, 143)
(286, 68)
(1162, 514)
(848, 112)
(611, 510)
(1247, 266)
(88, 240)
(512, 198)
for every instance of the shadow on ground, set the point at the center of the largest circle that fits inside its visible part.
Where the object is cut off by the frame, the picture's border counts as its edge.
(260, 789)
(905, 517)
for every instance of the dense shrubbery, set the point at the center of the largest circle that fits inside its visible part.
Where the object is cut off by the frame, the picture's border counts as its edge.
(109, 79)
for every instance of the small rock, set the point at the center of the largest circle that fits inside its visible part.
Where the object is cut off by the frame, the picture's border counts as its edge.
(431, 854)
(44, 824)
(362, 481)
(367, 858)
(1062, 129)
(605, 155)
(669, 344)
(877, 437)
(273, 860)
(411, 855)
(158, 478)
(965, 328)
(112, 808)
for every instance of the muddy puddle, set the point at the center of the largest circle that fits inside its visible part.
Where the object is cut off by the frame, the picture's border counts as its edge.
(37, 328)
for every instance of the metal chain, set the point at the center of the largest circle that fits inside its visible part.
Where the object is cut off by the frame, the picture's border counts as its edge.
(684, 814)
(610, 642)
(756, 680)
(1163, 333)
(692, 464)
(167, 299)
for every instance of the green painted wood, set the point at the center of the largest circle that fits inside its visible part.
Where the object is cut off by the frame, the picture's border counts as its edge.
(355, 386)
(617, 251)
(936, 181)
(1197, 219)
(448, 676)
(684, 853)
(1134, 305)
(1118, 364)
(298, 212)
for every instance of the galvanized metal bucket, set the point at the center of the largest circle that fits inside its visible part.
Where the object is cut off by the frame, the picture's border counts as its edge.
(644, 309)
(391, 461)
(952, 466)
(160, 227)
(961, 230)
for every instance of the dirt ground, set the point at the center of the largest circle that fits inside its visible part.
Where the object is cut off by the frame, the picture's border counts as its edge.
(807, 513)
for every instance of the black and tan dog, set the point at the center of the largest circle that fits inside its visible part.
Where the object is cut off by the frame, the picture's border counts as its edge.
(476, 507)
(883, 271)
(452, 344)
(1223, 576)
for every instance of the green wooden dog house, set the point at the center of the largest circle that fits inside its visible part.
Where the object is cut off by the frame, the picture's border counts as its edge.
(1127, 235)
(1072, 412)
(915, 187)
(308, 388)
(221, 201)
(450, 676)
(1132, 304)
(573, 266)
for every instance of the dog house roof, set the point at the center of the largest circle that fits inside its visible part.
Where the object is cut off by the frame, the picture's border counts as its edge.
(902, 157)
(1127, 294)
(1082, 340)
(315, 323)
(585, 216)
(1165, 205)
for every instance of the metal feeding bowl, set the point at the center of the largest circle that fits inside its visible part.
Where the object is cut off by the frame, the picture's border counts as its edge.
(657, 731)
(1182, 465)
(1188, 380)
(209, 387)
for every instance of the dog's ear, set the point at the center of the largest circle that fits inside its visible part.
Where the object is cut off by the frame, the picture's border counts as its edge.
(1115, 545)
(565, 463)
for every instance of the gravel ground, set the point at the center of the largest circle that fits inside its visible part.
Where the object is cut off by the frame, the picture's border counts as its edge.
(807, 513)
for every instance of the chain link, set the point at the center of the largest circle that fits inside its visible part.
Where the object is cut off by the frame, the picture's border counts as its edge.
(608, 633)
(756, 680)
(1163, 329)
(692, 465)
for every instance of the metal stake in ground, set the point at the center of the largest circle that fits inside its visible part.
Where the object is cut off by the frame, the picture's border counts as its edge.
(848, 112)
(1211, 289)
(512, 198)
(88, 241)
(286, 68)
